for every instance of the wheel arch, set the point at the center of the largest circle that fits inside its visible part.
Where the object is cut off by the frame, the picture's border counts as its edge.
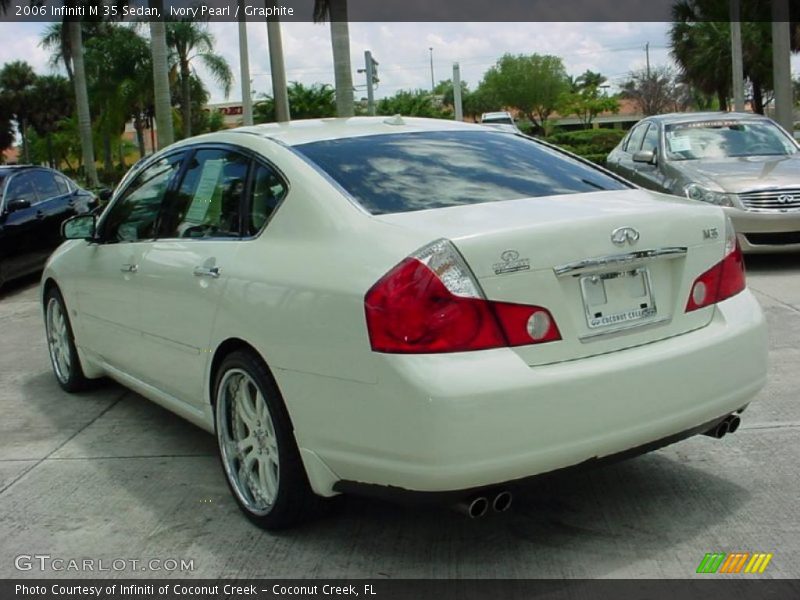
(222, 350)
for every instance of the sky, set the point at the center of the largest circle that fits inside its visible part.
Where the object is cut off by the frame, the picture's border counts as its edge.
(403, 50)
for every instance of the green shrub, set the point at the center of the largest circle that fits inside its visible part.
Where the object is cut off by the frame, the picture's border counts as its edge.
(591, 144)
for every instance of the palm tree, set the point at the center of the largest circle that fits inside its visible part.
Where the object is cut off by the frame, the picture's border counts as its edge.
(336, 12)
(16, 84)
(162, 101)
(244, 69)
(190, 41)
(278, 71)
(700, 44)
(121, 82)
(52, 101)
(82, 101)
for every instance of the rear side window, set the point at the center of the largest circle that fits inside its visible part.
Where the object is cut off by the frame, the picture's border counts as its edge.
(209, 200)
(417, 171)
(45, 184)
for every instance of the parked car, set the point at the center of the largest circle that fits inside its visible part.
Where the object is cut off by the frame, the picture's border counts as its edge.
(745, 163)
(34, 201)
(500, 120)
(404, 306)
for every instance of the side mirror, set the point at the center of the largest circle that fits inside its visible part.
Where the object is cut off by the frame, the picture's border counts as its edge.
(645, 156)
(19, 204)
(105, 194)
(80, 227)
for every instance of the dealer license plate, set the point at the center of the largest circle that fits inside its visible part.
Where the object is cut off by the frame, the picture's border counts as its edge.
(621, 298)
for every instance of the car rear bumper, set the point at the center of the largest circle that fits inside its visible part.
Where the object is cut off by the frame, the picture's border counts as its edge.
(439, 423)
(765, 232)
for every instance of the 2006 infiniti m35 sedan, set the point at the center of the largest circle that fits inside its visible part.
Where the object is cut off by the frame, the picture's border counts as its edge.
(404, 306)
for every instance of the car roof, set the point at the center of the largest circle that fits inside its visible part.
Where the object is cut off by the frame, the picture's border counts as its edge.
(705, 116)
(316, 130)
(8, 169)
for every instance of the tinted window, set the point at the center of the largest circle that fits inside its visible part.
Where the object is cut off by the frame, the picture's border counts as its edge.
(635, 139)
(45, 184)
(650, 143)
(2, 184)
(209, 200)
(417, 171)
(133, 217)
(21, 188)
(268, 191)
(64, 185)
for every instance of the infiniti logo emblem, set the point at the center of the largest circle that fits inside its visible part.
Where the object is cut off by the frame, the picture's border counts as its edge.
(785, 198)
(625, 235)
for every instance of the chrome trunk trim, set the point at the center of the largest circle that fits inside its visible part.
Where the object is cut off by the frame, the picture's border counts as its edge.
(600, 263)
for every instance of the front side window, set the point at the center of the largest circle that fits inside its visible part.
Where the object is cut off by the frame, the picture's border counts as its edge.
(134, 216)
(417, 171)
(21, 188)
(726, 138)
(650, 143)
(635, 139)
(209, 200)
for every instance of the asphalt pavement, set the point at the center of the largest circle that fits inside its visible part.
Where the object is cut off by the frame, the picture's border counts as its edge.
(108, 476)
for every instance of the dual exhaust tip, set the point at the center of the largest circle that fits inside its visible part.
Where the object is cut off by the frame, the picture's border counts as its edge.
(478, 506)
(728, 425)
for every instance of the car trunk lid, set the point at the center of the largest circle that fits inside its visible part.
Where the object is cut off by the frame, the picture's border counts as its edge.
(557, 252)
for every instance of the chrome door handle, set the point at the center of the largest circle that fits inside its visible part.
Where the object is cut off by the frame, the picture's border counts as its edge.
(129, 268)
(206, 272)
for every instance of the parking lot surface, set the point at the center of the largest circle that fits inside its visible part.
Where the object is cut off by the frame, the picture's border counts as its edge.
(107, 475)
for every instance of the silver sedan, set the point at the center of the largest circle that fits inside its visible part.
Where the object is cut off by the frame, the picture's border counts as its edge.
(743, 162)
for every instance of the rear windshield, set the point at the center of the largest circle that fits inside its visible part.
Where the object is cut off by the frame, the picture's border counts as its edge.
(417, 171)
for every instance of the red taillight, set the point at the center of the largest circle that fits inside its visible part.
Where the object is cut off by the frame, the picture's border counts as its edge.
(430, 303)
(723, 280)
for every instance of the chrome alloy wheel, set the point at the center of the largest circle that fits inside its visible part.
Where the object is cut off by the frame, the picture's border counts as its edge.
(247, 441)
(58, 340)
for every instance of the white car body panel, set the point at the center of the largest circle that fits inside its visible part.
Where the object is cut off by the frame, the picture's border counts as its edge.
(440, 422)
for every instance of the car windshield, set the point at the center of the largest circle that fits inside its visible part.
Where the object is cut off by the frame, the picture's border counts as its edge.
(726, 139)
(417, 171)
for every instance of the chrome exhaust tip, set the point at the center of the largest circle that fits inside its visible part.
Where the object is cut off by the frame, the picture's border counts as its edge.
(474, 508)
(719, 431)
(502, 501)
(733, 423)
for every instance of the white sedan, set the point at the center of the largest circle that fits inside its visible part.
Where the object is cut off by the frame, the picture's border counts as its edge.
(404, 306)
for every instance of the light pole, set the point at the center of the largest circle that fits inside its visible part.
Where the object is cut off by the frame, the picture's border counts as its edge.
(433, 85)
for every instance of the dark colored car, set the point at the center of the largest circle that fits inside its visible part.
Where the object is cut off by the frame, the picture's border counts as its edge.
(34, 201)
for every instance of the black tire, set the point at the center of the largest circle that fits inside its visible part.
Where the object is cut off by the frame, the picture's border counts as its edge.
(293, 501)
(71, 379)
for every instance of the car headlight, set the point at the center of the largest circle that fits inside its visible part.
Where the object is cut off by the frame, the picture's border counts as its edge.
(695, 191)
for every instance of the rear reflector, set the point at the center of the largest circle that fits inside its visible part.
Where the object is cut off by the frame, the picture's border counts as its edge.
(431, 303)
(723, 280)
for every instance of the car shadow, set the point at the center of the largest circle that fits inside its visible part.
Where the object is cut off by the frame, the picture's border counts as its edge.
(772, 263)
(17, 286)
